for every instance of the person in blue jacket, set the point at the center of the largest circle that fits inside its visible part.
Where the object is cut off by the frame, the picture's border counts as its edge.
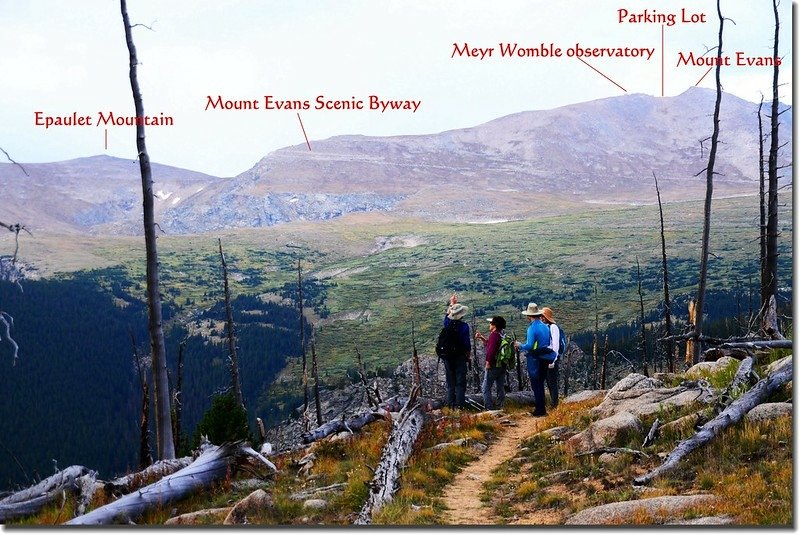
(538, 353)
(456, 367)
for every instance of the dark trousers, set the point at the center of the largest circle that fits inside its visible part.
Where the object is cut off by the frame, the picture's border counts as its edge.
(494, 376)
(456, 374)
(552, 384)
(537, 372)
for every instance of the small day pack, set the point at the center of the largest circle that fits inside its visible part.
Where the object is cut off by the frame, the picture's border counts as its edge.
(506, 354)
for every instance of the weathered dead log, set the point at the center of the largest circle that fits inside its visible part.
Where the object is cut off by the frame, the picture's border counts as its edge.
(396, 452)
(31, 500)
(211, 466)
(154, 472)
(651, 436)
(758, 344)
(339, 425)
(731, 415)
(600, 451)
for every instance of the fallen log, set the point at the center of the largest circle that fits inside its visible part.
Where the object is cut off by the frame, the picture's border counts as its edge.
(73, 480)
(733, 414)
(758, 344)
(158, 470)
(339, 425)
(396, 452)
(211, 466)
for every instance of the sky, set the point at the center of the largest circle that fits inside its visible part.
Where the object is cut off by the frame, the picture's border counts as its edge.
(61, 58)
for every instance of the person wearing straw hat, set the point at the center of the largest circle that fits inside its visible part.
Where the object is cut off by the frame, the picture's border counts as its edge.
(555, 345)
(495, 374)
(455, 365)
(536, 347)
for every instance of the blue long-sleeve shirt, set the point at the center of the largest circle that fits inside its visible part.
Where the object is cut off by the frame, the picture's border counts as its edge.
(463, 332)
(538, 336)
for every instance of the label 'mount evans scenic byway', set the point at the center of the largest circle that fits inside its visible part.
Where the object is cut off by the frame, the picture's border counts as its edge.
(102, 119)
(320, 102)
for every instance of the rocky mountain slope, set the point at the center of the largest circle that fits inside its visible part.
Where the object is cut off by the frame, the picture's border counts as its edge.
(603, 151)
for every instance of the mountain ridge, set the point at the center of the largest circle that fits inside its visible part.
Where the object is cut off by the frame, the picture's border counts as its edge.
(601, 151)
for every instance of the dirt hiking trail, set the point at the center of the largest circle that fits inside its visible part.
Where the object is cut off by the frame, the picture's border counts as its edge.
(463, 496)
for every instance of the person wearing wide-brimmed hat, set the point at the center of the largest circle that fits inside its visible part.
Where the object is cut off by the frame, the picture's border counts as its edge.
(494, 374)
(536, 346)
(455, 365)
(555, 345)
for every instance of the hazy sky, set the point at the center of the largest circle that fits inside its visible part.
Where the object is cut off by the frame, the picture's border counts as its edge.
(64, 57)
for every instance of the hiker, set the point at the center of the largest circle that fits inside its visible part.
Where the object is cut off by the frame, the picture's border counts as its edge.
(495, 370)
(555, 345)
(454, 347)
(539, 355)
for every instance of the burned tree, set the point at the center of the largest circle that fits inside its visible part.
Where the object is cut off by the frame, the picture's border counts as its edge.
(668, 345)
(712, 156)
(769, 282)
(233, 358)
(166, 447)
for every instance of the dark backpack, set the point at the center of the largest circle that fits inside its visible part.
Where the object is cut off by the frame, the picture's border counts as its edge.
(449, 345)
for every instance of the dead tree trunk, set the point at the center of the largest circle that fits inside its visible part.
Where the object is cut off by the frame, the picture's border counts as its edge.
(712, 156)
(166, 448)
(233, 358)
(690, 343)
(771, 271)
(363, 376)
(72, 480)
(339, 425)
(315, 373)
(731, 415)
(604, 368)
(176, 397)
(665, 271)
(415, 357)
(154, 472)
(396, 452)
(762, 211)
(645, 371)
(302, 337)
(145, 455)
(211, 466)
(769, 320)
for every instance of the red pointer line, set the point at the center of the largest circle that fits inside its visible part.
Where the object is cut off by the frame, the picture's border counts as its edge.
(304, 131)
(106, 138)
(601, 74)
(706, 74)
(663, 53)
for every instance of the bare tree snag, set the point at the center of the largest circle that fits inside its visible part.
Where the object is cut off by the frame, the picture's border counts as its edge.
(769, 320)
(145, 454)
(30, 501)
(166, 448)
(762, 210)
(233, 358)
(396, 452)
(415, 357)
(770, 284)
(177, 396)
(362, 374)
(712, 156)
(302, 337)
(733, 414)
(689, 341)
(604, 365)
(665, 271)
(315, 373)
(645, 371)
(211, 466)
